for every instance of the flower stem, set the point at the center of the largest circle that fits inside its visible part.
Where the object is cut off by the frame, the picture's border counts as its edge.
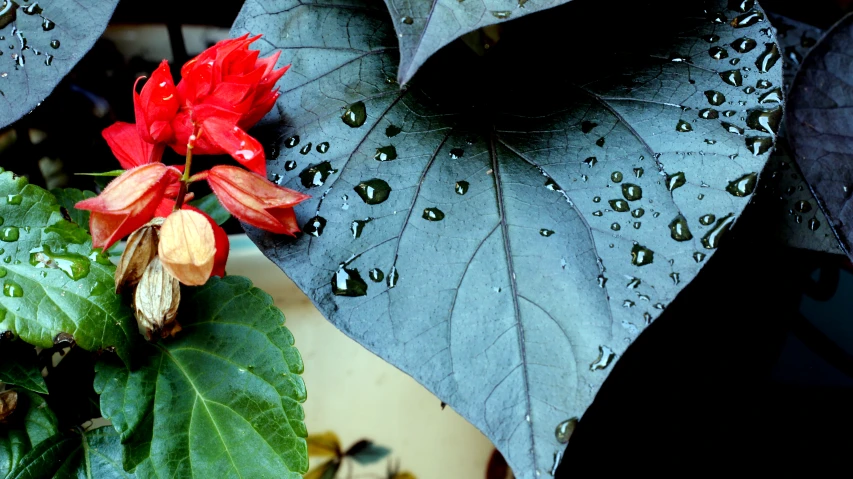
(185, 179)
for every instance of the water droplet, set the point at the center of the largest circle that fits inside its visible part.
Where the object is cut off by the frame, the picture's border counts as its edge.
(323, 147)
(348, 282)
(729, 113)
(732, 77)
(616, 176)
(731, 128)
(634, 283)
(683, 126)
(393, 277)
(763, 84)
(32, 9)
(772, 96)
(407, 20)
(759, 145)
(47, 25)
(676, 278)
(743, 186)
(385, 153)
(357, 227)
(76, 266)
(619, 205)
(596, 199)
(316, 175)
(587, 126)
(675, 180)
(747, 19)
(628, 303)
(355, 115)
(764, 120)
(715, 98)
(718, 53)
(768, 57)
(502, 14)
(638, 172)
(744, 45)
(605, 356)
(638, 213)
(749, 90)
(3, 272)
(12, 289)
(717, 18)
(591, 161)
(597, 213)
(641, 256)
(376, 275)
(9, 234)
(698, 257)
(435, 214)
(678, 229)
(14, 199)
(615, 227)
(711, 38)
(741, 5)
(373, 191)
(461, 187)
(392, 131)
(600, 142)
(712, 238)
(292, 141)
(565, 429)
(803, 206)
(315, 226)
(632, 192)
(708, 114)
(289, 165)
(706, 220)
(602, 281)
(814, 224)
(456, 153)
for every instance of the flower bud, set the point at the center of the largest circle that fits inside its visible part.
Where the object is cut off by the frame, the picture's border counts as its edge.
(187, 247)
(8, 403)
(156, 301)
(141, 248)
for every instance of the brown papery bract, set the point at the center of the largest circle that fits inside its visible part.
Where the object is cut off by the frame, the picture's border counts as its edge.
(156, 301)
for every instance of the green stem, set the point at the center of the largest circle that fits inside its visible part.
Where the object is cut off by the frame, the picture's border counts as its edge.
(185, 179)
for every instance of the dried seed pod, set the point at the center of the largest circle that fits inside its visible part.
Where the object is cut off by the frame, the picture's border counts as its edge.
(187, 247)
(8, 403)
(156, 301)
(141, 248)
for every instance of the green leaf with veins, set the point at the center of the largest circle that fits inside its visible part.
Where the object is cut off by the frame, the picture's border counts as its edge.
(505, 225)
(67, 198)
(31, 424)
(220, 400)
(51, 281)
(94, 454)
(19, 366)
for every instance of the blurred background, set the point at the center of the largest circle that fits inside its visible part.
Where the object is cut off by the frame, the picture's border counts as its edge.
(761, 373)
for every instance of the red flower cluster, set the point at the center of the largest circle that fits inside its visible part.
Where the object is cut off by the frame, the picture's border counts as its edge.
(223, 92)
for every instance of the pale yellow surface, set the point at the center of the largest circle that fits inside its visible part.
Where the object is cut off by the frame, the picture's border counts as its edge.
(358, 395)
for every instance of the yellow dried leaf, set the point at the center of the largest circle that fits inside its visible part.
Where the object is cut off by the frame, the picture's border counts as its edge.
(156, 301)
(325, 444)
(187, 247)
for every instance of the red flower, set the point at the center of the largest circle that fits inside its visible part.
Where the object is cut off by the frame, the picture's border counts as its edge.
(254, 200)
(156, 106)
(130, 149)
(128, 202)
(222, 244)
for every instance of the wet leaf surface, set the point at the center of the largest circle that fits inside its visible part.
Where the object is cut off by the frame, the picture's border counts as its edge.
(220, 400)
(820, 125)
(67, 198)
(52, 281)
(520, 234)
(40, 42)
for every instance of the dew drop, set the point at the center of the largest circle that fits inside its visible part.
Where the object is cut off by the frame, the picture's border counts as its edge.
(407, 20)
(615, 227)
(768, 57)
(731, 128)
(676, 278)
(14, 199)
(591, 161)
(596, 199)
(9, 234)
(605, 357)
(718, 53)
(600, 142)
(461, 187)
(708, 114)
(678, 229)
(316, 175)
(501, 14)
(712, 238)
(315, 226)
(803, 206)
(385, 153)
(323, 147)
(292, 141)
(376, 275)
(683, 126)
(587, 126)
(814, 224)
(698, 257)
(632, 192)
(743, 186)
(747, 19)
(54, 44)
(601, 280)
(456, 153)
(12, 289)
(435, 214)
(616, 176)
(355, 115)
(638, 213)
(772, 96)
(565, 429)
(289, 165)
(741, 5)
(619, 205)
(373, 191)
(392, 131)
(715, 98)
(47, 25)
(732, 77)
(641, 256)
(393, 277)
(706, 220)
(676, 180)
(348, 282)
(711, 38)
(744, 45)
(75, 266)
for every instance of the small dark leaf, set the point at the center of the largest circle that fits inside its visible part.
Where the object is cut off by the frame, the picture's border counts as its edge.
(220, 400)
(511, 295)
(820, 126)
(366, 452)
(19, 366)
(210, 204)
(40, 42)
(67, 198)
(91, 454)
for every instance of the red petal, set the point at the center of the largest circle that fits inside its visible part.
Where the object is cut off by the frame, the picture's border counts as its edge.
(159, 101)
(237, 143)
(130, 149)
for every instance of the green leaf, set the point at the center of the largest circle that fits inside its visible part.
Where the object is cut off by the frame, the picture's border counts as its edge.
(19, 366)
(366, 452)
(210, 204)
(504, 226)
(30, 425)
(90, 454)
(68, 197)
(52, 280)
(111, 173)
(220, 400)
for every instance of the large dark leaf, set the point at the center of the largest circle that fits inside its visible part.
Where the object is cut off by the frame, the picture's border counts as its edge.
(505, 227)
(425, 26)
(84, 454)
(820, 124)
(19, 366)
(221, 400)
(52, 281)
(31, 424)
(41, 41)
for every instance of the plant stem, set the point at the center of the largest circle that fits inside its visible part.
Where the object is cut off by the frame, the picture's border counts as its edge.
(185, 179)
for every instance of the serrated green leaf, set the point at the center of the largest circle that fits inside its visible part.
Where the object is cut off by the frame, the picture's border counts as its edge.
(31, 424)
(52, 281)
(19, 367)
(68, 197)
(221, 399)
(210, 204)
(91, 454)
